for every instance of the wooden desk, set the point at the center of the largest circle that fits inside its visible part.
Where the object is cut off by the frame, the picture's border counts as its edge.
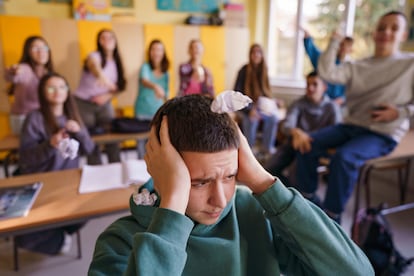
(11, 142)
(59, 202)
(8, 143)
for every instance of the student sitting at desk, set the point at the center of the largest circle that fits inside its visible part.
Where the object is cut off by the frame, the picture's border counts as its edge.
(42, 148)
(204, 224)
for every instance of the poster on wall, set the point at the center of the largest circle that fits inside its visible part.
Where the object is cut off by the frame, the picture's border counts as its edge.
(123, 3)
(92, 10)
(205, 6)
(57, 1)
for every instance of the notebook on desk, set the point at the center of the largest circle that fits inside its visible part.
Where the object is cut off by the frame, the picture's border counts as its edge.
(18, 200)
(96, 178)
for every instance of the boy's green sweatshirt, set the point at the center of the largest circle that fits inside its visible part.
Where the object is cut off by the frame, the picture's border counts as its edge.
(273, 233)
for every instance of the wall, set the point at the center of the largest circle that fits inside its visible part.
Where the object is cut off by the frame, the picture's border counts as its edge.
(225, 50)
(144, 11)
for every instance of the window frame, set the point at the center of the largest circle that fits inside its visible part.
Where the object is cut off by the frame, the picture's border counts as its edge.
(296, 78)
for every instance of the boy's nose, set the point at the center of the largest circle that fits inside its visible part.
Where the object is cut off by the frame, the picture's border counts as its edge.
(218, 196)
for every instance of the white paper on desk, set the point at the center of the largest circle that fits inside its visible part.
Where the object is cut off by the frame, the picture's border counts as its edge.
(113, 176)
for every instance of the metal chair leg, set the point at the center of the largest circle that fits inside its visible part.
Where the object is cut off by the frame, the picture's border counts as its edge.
(15, 255)
(78, 237)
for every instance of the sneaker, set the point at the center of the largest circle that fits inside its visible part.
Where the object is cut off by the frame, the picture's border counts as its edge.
(67, 244)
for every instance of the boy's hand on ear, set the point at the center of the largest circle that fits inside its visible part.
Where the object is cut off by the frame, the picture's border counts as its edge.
(168, 170)
(251, 172)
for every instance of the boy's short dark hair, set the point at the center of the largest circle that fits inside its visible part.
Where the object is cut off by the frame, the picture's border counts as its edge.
(312, 74)
(194, 127)
(395, 12)
(349, 39)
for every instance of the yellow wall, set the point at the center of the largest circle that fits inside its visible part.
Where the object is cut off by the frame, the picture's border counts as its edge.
(145, 11)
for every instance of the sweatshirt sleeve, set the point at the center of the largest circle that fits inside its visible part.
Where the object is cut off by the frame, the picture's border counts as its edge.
(161, 246)
(308, 242)
(291, 120)
(312, 51)
(35, 150)
(25, 72)
(329, 70)
(86, 143)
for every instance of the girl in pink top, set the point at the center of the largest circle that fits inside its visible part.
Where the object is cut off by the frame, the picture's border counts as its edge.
(35, 62)
(194, 77)
(102, 78)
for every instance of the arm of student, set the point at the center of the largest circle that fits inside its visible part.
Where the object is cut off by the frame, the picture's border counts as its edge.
(94, 66)
(35, 149)
(301, 141)
(209, 82)
(312, 51)
(86, 143)
(291, 120)
(328, 69)
(240, 79)
(17, 73)
(182, 75)
(337, 114)
(145, 79)
(170, 174)
(126, 249)
(306, 240)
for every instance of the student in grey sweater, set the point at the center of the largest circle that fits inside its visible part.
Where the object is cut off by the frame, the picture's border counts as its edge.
(192, 219)
(308, 114)
(379, 92)
(42, 133)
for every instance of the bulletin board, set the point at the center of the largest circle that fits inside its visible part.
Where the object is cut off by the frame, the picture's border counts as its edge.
(205, 6)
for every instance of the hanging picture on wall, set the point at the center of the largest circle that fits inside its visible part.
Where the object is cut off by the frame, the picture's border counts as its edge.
(57, 1)
(123, 3)
(92, 10)
(206, 6)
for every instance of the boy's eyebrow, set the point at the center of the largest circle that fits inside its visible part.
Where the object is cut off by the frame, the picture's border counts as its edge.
(201, 179)
(211, 178)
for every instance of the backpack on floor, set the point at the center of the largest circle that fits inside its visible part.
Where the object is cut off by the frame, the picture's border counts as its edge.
(373, 234)
(130, 125)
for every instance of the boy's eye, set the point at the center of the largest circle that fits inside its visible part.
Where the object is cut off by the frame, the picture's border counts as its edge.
(200, 183)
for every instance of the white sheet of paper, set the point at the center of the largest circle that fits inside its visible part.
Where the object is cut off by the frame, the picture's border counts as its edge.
(135, 172)
(113, 176)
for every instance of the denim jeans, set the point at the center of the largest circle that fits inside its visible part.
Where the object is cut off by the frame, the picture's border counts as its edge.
(353, 146)
(250, 126)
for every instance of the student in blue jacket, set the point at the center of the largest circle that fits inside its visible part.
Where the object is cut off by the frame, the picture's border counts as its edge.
(192, 218)
(335, 91)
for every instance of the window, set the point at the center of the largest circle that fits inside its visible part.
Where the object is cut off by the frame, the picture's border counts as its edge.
(288, 63)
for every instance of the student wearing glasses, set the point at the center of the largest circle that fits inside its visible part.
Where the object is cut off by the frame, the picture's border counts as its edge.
(35, 62)
(40, 150)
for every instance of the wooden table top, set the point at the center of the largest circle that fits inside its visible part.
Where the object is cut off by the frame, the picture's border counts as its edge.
(59, 202)
(11, 142)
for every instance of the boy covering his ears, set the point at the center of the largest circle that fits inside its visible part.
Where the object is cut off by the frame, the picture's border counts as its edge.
(192, 218)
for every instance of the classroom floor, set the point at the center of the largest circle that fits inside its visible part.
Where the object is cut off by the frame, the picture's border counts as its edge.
(40, 265)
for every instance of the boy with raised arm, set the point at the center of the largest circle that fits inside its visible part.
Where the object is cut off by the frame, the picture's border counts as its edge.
(192, 218)
(380, 99)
